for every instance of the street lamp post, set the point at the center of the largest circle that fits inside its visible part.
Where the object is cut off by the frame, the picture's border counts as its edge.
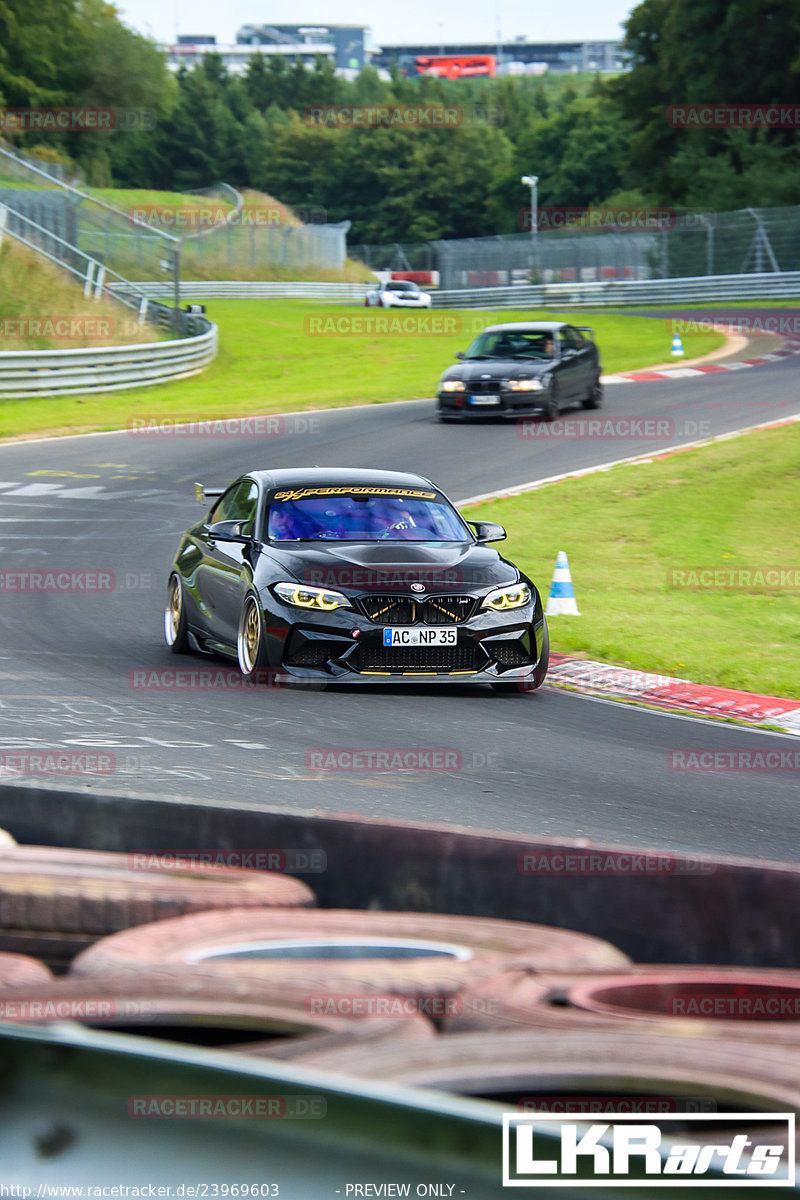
(532, 182)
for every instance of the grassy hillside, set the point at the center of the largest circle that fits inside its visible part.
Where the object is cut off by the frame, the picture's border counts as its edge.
(41, 308)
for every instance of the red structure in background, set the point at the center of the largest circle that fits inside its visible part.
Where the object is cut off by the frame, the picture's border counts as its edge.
(456, 66)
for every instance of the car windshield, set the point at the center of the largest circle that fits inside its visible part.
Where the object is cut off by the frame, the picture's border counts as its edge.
(399, 285)
(518, 343)
(369, 517)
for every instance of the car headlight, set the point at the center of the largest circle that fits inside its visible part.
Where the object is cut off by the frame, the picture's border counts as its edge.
(453, 385)
(310, 597)
(525, 385)
(516, 596)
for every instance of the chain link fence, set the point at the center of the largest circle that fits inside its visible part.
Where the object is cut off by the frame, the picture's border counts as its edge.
(696, 244)
(211, 233)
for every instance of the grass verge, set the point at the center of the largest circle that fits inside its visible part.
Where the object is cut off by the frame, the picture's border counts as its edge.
(42, 309)
(635, 534)
(271, 360)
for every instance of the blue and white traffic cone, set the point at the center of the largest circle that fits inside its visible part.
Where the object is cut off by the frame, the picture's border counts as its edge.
(677, 346)
(561, 601)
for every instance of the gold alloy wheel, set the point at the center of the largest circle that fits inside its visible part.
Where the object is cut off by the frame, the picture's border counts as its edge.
(250, 640)
(172, 616)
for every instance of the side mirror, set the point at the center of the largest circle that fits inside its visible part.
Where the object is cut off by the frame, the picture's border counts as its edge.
(228, 531)
(488, 531)
(460, 354)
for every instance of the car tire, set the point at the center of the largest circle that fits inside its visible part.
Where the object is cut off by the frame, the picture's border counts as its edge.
(176, 633)
(470, 949)
(595, 397)
(250, 643)
(56, 902)
(210, 1009)
(551, 409)
(535, 681)
(620, 1064)
(22, 971)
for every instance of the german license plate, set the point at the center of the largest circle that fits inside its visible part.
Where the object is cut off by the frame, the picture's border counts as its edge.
(419, 635)
(491, 401)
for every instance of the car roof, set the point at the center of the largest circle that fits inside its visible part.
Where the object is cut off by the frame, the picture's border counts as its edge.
(337, 477)
(528, 327)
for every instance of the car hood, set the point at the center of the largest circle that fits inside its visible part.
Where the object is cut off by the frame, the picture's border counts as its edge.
(499, 368)
(394, 566)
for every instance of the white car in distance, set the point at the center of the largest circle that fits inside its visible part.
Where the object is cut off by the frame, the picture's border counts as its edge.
(398, 293)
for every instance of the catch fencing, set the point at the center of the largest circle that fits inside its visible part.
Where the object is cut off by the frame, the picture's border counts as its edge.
(204, 234)
(596, 246)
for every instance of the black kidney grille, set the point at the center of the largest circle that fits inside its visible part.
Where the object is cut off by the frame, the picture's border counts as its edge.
(483, 387)
(448, 610)
(391, 610)
(466, 657)
(403, 610)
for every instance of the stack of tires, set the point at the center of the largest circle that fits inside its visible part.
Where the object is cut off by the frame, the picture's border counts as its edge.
(535, 1017)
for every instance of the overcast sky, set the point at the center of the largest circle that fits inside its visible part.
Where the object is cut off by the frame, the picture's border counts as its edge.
(391, 22)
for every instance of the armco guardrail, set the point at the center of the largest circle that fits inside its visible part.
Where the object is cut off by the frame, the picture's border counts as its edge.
(25, 373)
(243, 289)
(693, 289)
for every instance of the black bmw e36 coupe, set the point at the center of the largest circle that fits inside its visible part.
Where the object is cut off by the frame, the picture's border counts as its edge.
(521, 369)
(353, 576)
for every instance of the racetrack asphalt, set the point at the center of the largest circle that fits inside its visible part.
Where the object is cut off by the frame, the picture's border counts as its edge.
(551, 763)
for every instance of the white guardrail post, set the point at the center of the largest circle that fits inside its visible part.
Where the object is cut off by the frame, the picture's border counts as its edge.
(3, 217)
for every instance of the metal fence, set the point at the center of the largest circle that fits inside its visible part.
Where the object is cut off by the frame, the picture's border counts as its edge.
(204, 234)
(244, 289)
(634, 244)
(98, 281)
(692, 289)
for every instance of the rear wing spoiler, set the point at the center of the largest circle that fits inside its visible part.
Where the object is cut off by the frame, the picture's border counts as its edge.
(201, 494)
(585, 329)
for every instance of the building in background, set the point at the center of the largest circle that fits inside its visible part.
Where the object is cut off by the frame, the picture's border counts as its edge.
(519, 57)
(343, 45)
(349, 49)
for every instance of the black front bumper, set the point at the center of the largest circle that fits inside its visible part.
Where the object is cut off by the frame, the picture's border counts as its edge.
(461, 406)
(346, 646)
